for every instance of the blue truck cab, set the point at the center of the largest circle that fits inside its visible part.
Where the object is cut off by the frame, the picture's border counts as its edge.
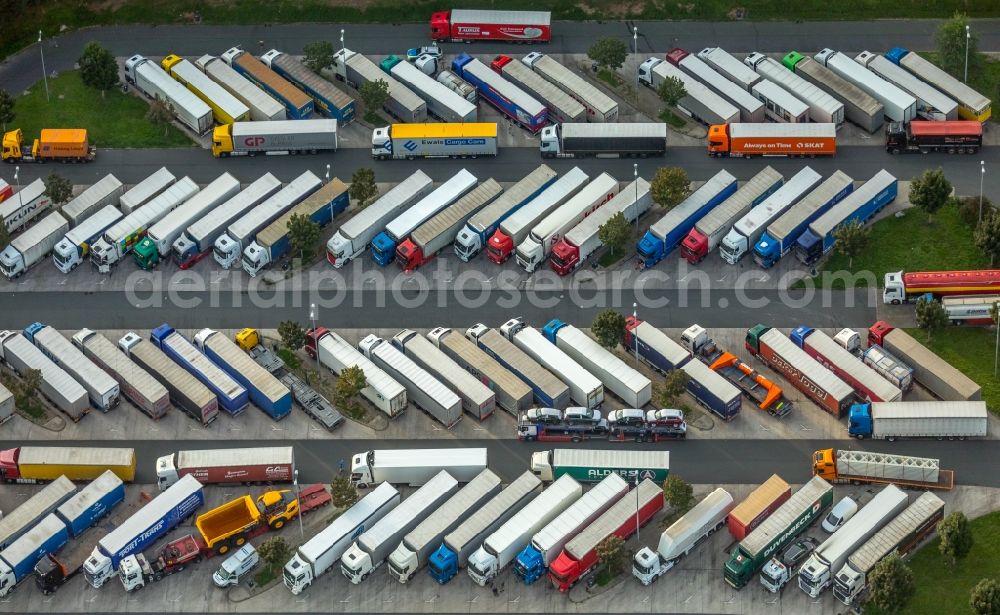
(383, 249)
(529, 565)
(442, 565)
(859, 421)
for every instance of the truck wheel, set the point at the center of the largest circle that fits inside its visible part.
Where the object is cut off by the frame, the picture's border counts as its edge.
(277, 524)
(222, 549)
(157, 576)
(575, 439)
(894, 151)
(240, 541)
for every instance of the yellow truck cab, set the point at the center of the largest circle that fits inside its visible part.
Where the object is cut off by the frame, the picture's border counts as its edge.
(247, 339)
(222, 140)
(278, 507)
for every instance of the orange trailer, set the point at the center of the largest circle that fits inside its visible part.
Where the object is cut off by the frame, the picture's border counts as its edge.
(768, 139)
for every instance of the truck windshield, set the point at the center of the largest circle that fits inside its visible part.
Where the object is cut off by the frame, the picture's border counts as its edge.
(558, 261)
(249, 264)
(642, 568)
(396, 568)
(476, 570)
(220, 254)
(559, 577)
(60, 257)
(495, 252)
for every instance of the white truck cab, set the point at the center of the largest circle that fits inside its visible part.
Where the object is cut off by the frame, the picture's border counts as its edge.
(236, 566)
(550, 141)
(226, 251)
(541, 465)
(381, 143)
(361, 471)
(97, 569)
(894, 291)
(774, 575)
(166, 472)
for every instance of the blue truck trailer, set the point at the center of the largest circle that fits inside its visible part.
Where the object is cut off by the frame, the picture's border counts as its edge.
(233, 398)
(548, 390)
(91, 503)
(511, 100)
(18, 560)
(328, 100)
(149, 524)
(264, 390)
(668, 233)
(18, 521)
(858, 206)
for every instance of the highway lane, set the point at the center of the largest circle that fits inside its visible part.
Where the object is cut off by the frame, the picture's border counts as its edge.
(697, 461)
(24, 68)
(511, 164)
(374, 310)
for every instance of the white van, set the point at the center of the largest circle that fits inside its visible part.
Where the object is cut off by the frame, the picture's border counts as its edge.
(236, 566)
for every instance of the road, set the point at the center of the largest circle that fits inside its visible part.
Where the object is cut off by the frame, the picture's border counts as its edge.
(24, 68)
(225, 310)
(697, 461)
(860, 162)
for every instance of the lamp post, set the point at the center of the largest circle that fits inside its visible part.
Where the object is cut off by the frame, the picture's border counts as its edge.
(637, 539)
(17, 171)
(295, 482)
(342, 42)
(635, 48)
(635, 176)
(313, 316)
(635, 336)
(328, 173)
(968, 35)
(982, 175)
(45, 77)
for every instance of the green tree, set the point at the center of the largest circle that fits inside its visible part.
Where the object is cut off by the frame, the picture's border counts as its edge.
(969, 208)
(374, 94)
(7, 114)
(292, 335)
(160, 113)
(931, 316)
(303, 234)
(275, 551)
(609, 328)
(951, 42)
(852, 239)
(608, 52)
(891, 584)
(4, 236)
(363, 188)
(930, 191)
(678, 494)
(671, 90)
(26, 391)
(98, 67)
(670, 186)
(987, 236)
(58, 188)
(956, 536)
(349, 385)
(344, 493)
(674, 385)
(611, 553)
(615, 232)
(318, 55)
(985, 597)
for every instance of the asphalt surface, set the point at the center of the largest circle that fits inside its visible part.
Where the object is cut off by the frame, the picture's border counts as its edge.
(697, 461)
(374, 310)
(24, 68)
(511, 164)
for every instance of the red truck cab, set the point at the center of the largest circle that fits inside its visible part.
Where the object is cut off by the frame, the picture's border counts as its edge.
(694, 247)
(499, 62)
(9, 471)
(440, 25)
(499, 247)
(675, 55)
(409, 255)
(565, 257)
(878, 331)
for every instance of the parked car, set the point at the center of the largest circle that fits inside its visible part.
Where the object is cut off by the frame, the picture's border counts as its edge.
(577, 415)
(839, 515)
(627, 417)
(798, 551)
(665, 416)
(546, 416)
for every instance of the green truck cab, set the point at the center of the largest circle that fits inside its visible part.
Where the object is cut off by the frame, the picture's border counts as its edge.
(145, 253)
(791, 519)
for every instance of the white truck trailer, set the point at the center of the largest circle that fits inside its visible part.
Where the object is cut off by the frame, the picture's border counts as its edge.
(416, 547)
(75, 245)
(511, 393)
(748, 229)
(699, 101)
(146, 190)
(229, 246)
(24, 206)
(356, 70)
(859, 107)
(585, 389)
(626, 382)
(932, 105)
(61, 389)
(817, 572)
(424, 390)
(353, 236)
(275, 138)
(32, 246)
(416, 466)
(901, 536)
(562, 106)
(476, 398)
(124, 234)
(515, 228)
(336, 355)
(138, 386)
(321, 552)
(442, 102)
(225, 107)
(374, 546)
(919, 419)
(533, 250)
(730, 67)
(600, 107)
(107, 191)
(154, 82)
(546, 388)
(751, 109)
(197, 240)
(104, 392)
(502, 546)
(823, 108)
(683, 536)
(897, 105)
(262, 107)
(780, 105)
(169, 228)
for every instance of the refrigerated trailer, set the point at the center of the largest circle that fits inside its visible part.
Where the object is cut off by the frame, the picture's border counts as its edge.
(467, 25)
(859, 107)
(547, 389)
(356, 70)
(57, 385)
(867, 384)
(442, 102)
(771, 139)
(510, 392)
(932, 105)
(336, 355)
(897, 104)
(225, 107)
(730, 67)
(186, 392)
(699, 101)
(155, 83)
(600, 107)
(233, 398)
(919, 419)
(424, 390)
(580, 140)
(411, 141)
(107, 191)
(779, 105)
(135, 383)
(298, 104)
(823, 108)
(585, 389)
(562, 106)
(262, 107)
(274, 137)
(264, 390)
(972, 105)
(591, 466)
(146, 190)
(32, 246)
(627, 383)
(476, 398)
(509, 99)
(328, 100)
(751, 109)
